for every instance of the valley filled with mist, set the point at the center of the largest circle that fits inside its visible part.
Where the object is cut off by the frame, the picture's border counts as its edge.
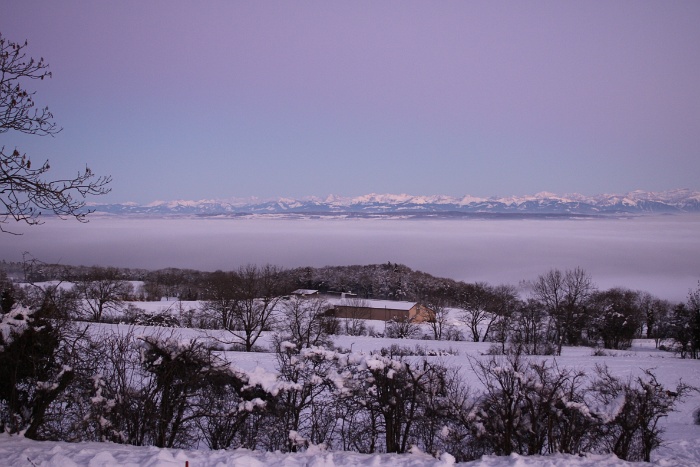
(659, 254)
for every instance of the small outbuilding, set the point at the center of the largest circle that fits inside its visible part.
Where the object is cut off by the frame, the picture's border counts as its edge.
(305, 293)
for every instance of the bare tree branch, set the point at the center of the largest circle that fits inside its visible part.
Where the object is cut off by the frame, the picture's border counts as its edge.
(25, 193)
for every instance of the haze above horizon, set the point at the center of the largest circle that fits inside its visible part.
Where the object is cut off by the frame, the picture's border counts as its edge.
(179, 100)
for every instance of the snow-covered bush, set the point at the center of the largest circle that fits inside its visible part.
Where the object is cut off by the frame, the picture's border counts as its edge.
(531, 408)
(630, 412)
(402, 328)
(32, 371)
(7, 293)
(534, 408)
(306, 402)
(154, 390)
(396, 350)
(164, 320)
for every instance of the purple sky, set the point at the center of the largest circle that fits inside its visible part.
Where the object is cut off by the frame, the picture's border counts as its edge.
(235, 99)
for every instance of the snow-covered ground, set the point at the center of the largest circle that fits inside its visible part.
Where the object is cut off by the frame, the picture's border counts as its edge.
(682, 446)
(682, 437)
(19, 452)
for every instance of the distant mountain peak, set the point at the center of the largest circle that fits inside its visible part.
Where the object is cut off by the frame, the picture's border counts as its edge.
(405, 205)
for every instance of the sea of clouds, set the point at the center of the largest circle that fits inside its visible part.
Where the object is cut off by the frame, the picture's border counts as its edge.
(660, 254)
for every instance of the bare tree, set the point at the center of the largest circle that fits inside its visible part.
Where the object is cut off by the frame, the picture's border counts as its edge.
(222, 291)
(563, 296)
(616, 317)
(684, 326)
(474, 301)
(437, 316)
(503, 306)
(655, 312)
(24, 192)
(530, 333)
(101, 290)
(258, 290)
(402, 328)
(303, 321)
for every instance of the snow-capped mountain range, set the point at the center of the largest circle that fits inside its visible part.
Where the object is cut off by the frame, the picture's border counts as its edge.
(376, 205)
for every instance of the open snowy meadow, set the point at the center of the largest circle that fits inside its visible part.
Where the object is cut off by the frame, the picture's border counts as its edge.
(681, 445)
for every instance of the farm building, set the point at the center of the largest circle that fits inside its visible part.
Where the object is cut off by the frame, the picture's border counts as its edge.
(347, 305)
(383, 310)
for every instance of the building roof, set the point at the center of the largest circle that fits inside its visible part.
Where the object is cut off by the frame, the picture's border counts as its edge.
(374, 304)
(305, 292)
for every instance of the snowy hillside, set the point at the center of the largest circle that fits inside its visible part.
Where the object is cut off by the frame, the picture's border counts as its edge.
(544, 203)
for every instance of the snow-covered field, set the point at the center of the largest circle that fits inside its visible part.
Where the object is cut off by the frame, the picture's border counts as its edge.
(16, 452)
(20, 452)
(682, 437)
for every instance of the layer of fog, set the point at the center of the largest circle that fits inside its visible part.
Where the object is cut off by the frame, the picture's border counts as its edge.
(659, 254)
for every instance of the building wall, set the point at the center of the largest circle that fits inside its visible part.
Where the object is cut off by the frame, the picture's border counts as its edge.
(382, 314)
(417, 313)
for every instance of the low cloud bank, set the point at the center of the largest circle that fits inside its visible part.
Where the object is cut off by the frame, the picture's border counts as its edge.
(659, 254)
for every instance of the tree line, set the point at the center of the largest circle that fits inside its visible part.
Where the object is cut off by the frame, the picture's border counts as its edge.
(540, 316)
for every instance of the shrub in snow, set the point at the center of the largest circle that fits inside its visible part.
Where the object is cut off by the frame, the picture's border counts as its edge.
(600, 352)
(630, 412)
(7, 293)
(396, 350)
(391, 396)
(32, 374)
(696, 416)
(402, 328)
(155, 390)
(355, 326)
(164, 320)
(183, 381)
(533, 408)
(229, 413)
(452, 333)
(537, 408)
(366, 403)
(305, 404)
